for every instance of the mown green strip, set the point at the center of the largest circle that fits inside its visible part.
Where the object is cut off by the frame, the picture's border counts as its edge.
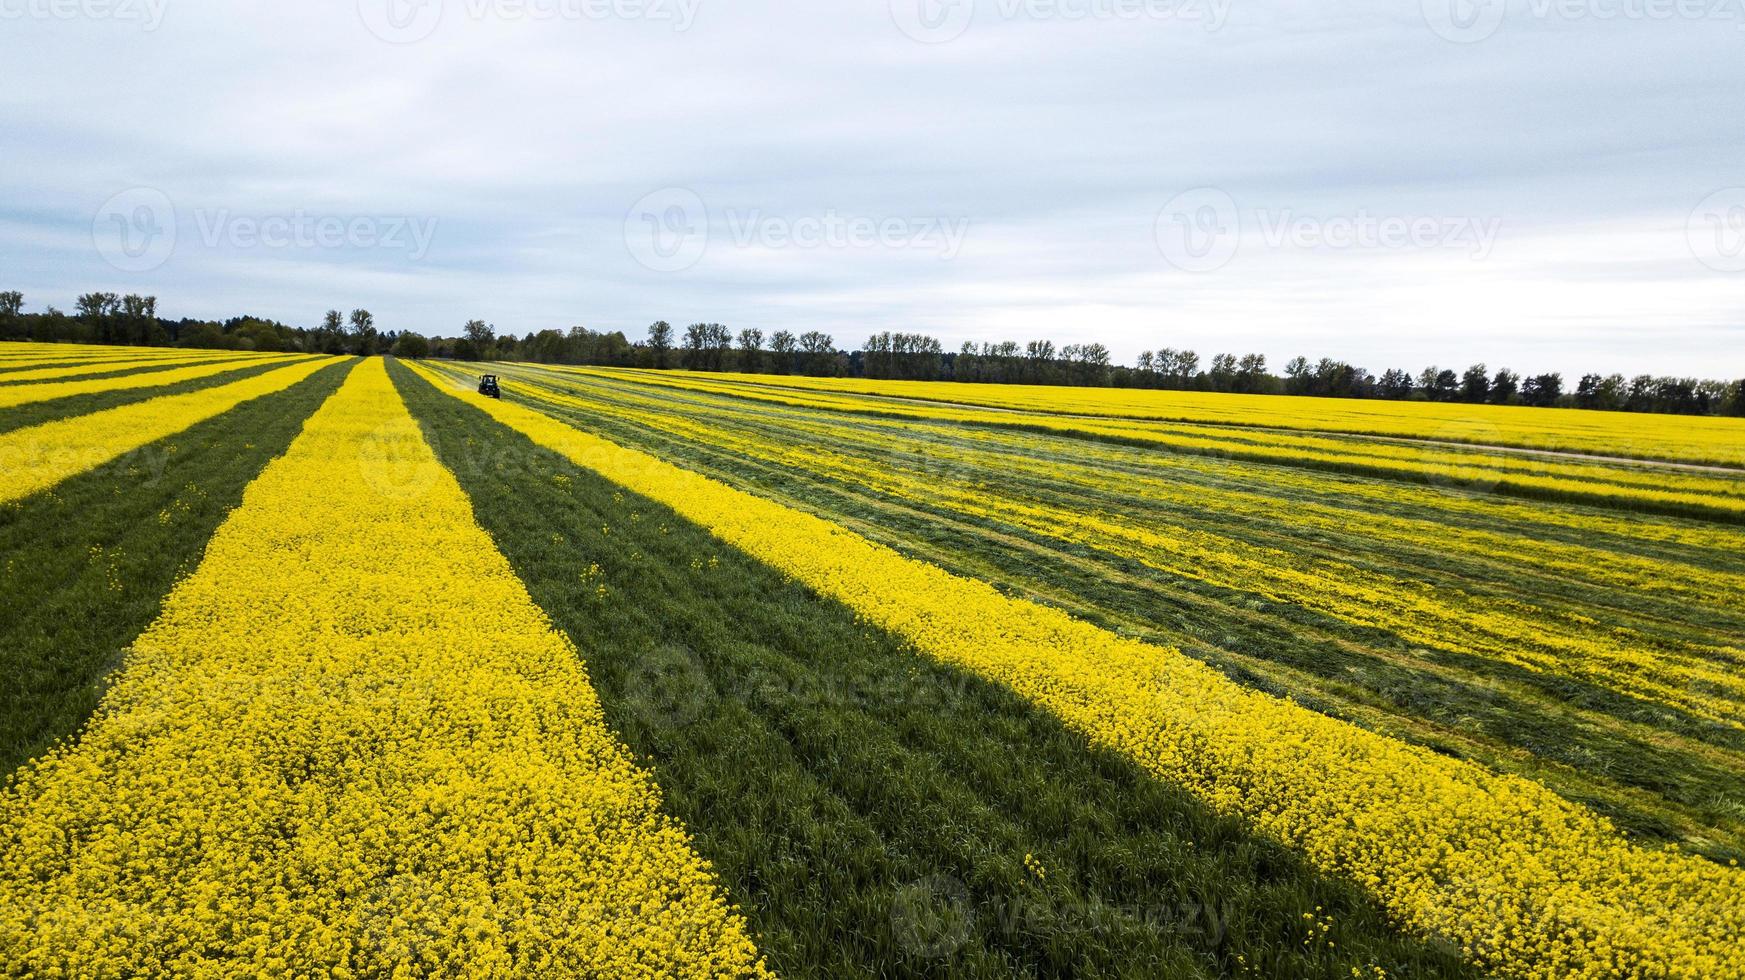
(870, 809)
(87, 564)
(36, 413)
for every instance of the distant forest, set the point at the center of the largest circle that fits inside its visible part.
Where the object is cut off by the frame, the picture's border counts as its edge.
(106, 318)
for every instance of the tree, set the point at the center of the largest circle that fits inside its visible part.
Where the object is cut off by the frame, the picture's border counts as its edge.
(1475, 384)
(1251, 373)
(482, 334)
(363, 332)
(1503, 386)
(1223, 372)
(783, 346)
(751, 349)
(1297, 378)
(330, 338)
(11, 315)
(660, 341)
(1187, 367)
(139, 320)
(1542, 390)
(1395, 384)
(409, 344)
(817, 351)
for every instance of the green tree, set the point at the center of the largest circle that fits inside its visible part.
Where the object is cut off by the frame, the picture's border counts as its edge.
(363, 331)
(1475, 384)
(783, 347)
(1504, 386)
(481, 338)
(410, 344)
(660, 341)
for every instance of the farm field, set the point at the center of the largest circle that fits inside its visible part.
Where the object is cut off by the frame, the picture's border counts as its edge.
(331, 666)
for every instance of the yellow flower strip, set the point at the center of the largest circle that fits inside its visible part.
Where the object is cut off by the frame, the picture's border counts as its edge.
(1691, 677)
(1695, 439)
(27, 394)
(351, 745)
(98, 367)
(1448, 466)
(40, 456)
(1526, 883)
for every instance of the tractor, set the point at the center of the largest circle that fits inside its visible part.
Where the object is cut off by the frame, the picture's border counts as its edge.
(488, 386)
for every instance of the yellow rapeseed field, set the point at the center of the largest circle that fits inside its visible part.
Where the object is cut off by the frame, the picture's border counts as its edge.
(351, 746)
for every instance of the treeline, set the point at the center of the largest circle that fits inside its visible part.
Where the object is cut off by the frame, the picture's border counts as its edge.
(105, 318)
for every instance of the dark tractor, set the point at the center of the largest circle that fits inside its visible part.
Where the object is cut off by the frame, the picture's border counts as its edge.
(488, 386)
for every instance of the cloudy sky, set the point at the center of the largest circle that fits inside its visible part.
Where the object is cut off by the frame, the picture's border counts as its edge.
(1550, 184)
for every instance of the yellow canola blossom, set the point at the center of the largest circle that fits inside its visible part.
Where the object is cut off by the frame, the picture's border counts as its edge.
(40, 456)
(1696, 439)
(1526, 883)
(27, 394)
(10, 377)
(351, 745)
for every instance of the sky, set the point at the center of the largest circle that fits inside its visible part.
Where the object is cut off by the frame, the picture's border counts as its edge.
(1542, 184)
